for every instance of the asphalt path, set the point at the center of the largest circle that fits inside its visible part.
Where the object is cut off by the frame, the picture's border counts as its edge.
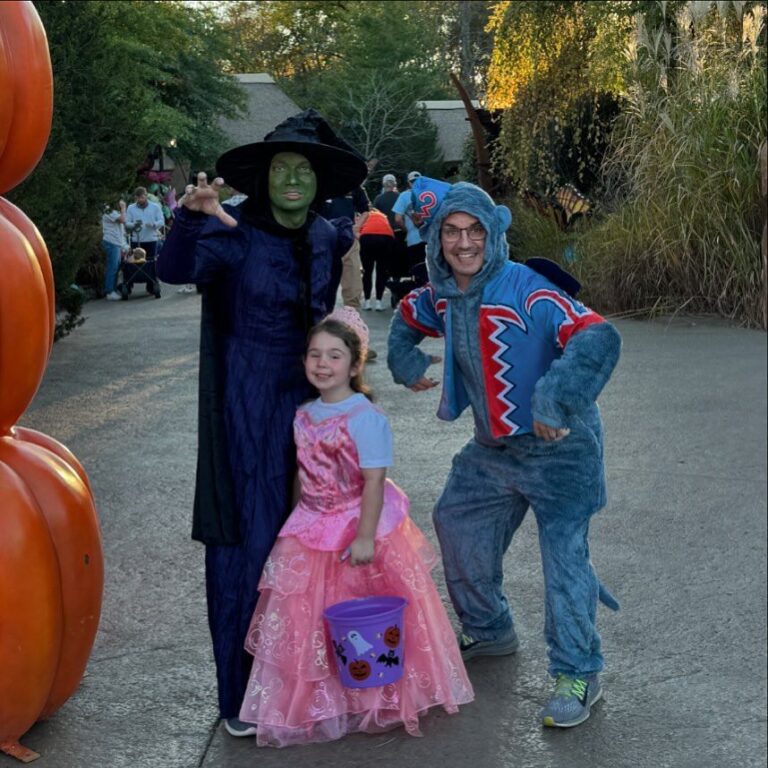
(682, 543)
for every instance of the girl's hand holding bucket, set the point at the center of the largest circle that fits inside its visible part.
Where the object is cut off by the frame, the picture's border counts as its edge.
(360, 552)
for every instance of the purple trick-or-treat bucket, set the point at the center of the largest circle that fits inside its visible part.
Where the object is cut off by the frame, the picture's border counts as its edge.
(367, 640)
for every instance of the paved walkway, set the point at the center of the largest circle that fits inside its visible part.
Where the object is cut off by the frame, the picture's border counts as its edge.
(682, 543)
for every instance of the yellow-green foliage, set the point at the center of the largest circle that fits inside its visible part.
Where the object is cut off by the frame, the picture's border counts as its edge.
(546, 57)
(685, 161)
(681, 226)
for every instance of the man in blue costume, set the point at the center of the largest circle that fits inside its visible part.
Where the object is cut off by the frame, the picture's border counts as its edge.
(269, 269)
(530, 361)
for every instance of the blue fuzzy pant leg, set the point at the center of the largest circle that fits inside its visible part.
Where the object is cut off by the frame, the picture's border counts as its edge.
(486, 498)
(475, 519)
(571, 588)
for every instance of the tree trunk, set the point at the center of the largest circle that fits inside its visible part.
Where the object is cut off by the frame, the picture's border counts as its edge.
(466, 71)
(482, 156)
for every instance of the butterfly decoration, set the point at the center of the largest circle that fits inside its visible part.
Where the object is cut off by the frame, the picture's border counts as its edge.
(572, 201)
(563, 208)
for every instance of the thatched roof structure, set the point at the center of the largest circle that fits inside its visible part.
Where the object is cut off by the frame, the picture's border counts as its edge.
(267, 106)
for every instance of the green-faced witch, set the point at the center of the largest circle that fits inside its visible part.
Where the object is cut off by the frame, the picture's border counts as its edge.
(268, 269)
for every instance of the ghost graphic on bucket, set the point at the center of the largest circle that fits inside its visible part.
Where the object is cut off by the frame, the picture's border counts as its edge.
(372, 659)
(360, 643)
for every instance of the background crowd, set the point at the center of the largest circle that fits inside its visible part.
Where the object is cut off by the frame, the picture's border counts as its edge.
(388, 254)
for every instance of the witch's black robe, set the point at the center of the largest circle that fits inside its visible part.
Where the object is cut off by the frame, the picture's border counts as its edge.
(263, 286)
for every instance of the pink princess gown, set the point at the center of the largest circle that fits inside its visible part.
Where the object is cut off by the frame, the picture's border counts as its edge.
(294, 694)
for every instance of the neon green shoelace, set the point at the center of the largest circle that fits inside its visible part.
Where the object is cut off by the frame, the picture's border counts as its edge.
(570, 686)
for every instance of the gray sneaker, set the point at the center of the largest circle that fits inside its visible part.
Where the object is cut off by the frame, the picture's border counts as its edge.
(236, 727)
(500, 647)
(571, 701)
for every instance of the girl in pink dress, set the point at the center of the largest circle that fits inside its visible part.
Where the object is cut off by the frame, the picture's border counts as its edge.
(349, 536)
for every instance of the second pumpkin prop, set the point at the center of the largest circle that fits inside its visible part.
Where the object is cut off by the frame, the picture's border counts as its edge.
(51, 580)
(25, 324)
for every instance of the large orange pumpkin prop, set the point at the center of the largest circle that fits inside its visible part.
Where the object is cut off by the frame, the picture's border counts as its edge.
(27, 88)
(51, 568)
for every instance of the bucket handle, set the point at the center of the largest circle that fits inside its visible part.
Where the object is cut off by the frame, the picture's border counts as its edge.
(364, 571)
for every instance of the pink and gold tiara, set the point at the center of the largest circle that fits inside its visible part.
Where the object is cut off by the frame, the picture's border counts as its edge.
(352, 318)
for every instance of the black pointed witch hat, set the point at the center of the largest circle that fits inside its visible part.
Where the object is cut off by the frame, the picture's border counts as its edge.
(338, 167)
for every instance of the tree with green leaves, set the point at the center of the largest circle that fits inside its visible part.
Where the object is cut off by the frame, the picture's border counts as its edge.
(553, 65)
(117, 94)
(366, 65)
(680, 219)
(289, 40)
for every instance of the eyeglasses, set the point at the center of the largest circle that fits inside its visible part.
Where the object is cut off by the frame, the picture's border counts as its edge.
(452, 234)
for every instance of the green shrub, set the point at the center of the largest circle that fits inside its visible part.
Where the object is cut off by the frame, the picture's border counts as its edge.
(468, 166)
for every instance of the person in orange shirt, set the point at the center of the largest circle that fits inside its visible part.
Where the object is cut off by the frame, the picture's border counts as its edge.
(377, 239)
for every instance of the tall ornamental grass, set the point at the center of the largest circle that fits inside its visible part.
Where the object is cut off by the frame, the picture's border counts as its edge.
(688, 216)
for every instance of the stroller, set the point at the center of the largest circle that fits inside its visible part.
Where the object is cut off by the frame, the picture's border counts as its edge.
(137, 268)
(404, 276)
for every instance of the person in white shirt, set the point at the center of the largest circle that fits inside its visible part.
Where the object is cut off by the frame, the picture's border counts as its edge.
(113, 243)
(150, 215)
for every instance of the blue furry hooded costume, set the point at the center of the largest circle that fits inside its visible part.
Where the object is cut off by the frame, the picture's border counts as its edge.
(518, 349)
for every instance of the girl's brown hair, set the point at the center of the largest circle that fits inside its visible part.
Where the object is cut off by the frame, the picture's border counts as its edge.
(352, 341)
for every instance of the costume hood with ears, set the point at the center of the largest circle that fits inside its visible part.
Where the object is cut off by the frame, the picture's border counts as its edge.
(435, 201)
(338, 167)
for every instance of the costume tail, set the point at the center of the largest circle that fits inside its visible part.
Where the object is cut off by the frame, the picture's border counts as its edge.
(606, 598)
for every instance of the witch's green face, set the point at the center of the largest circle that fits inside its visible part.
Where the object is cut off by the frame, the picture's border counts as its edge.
(292, 185)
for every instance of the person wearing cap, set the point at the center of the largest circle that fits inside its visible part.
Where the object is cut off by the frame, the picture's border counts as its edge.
(269, 270)
(405, 216)
(387, 198)
(530, 361)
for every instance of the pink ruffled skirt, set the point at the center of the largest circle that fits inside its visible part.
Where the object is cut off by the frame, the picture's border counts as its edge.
(294, 694)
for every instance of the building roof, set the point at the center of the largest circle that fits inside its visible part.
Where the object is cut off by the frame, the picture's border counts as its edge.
(450, 117)
(267, 106)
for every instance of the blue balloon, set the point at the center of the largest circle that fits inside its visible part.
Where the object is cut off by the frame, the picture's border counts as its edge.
(426, 196)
